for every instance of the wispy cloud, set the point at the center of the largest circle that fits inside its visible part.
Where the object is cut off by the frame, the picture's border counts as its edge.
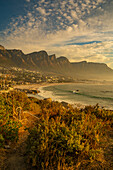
(27, 0)
(41, 10)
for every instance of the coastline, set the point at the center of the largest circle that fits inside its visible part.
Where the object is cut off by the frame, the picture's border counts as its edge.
(37, 86)
(44, 95)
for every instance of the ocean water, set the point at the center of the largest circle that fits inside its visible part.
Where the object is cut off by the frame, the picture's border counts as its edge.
(80, 94)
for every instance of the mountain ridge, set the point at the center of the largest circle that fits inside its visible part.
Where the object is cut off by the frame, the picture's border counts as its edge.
(43, 62)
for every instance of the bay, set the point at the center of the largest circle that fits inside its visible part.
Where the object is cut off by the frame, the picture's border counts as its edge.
(80, 94)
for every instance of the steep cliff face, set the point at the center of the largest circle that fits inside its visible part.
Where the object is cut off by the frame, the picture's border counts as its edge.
(45, 62)
(53, 58)
(63, 60)
(17, 56)
(41, 61)
(92, 70)
(5, 58)
(1, 47)
(65, 65)
(90, 67)
(36, 59)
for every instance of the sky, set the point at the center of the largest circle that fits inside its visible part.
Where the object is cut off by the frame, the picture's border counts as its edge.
(77, 29)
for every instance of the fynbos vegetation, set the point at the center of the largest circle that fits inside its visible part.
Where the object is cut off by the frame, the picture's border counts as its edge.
(67, 138)
(9, 125)
(62, 138)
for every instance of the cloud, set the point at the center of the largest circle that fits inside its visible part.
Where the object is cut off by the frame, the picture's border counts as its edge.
(87, 1)
(41, 10)
(74, 14)
(63, 4)
(100, 1)
(27, 0)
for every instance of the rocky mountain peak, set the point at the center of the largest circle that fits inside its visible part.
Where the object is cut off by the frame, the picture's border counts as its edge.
(2, 47)
(63, 60)
(43, 62)
(44, 53)
(53, 57)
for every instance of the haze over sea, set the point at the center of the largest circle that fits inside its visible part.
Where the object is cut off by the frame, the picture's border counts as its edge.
(81, 94)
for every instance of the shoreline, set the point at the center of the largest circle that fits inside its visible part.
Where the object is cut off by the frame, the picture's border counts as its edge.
(41, 85)
(37, 86)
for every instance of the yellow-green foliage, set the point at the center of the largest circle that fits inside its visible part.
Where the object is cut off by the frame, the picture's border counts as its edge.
(64, 137)
(17, 99)
(8, 125)
(35, 108)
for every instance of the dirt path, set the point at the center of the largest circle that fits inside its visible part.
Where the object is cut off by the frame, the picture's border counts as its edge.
(15, 155)
(16, 158)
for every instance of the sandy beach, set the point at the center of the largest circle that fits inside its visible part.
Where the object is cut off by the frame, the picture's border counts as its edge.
(37, 86)
(87, 96)
(45, 84)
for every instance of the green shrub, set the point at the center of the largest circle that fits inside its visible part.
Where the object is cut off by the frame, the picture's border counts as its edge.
(64, 138)
(8, 126)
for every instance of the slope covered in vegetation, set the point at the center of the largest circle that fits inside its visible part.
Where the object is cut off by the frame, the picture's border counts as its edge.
(62, 137)
(68, 138)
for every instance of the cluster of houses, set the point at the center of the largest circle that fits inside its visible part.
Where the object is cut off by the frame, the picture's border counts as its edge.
(9, 77)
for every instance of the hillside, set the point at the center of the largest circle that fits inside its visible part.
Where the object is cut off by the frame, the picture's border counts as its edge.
(41, 61)
(48, 135)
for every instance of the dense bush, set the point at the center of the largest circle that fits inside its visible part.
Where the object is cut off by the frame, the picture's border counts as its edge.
(65, 137)
(16, 99)
(8, 125)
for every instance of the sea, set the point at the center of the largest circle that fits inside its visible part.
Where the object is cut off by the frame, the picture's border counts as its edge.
(80, 94)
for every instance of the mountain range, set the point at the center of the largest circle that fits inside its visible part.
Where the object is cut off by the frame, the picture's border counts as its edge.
(41, 61)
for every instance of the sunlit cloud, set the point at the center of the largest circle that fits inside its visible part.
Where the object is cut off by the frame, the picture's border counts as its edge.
(27, 0)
